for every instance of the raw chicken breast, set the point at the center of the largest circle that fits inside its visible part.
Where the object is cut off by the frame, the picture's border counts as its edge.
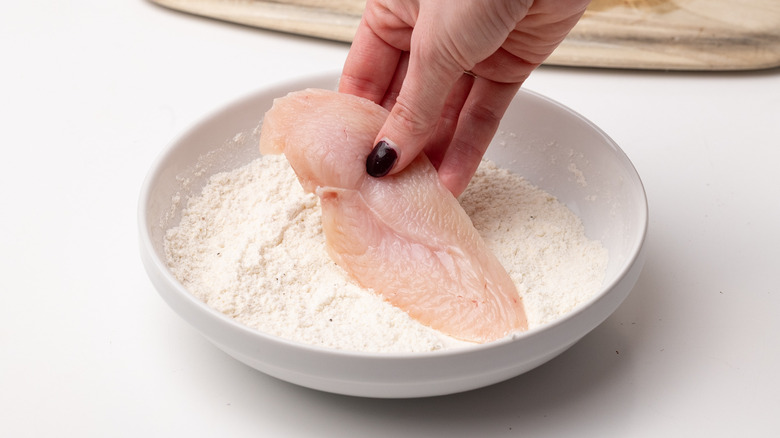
(405, 236)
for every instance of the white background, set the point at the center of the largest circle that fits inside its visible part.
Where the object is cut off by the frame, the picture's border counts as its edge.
(91, 92)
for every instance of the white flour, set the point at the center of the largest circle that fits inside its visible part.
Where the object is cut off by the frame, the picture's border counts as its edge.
(251, 246)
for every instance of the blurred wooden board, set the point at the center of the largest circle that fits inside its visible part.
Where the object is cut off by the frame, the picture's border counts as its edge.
(643, 34)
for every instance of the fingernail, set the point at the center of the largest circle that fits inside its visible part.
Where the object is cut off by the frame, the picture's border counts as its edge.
(381, 159)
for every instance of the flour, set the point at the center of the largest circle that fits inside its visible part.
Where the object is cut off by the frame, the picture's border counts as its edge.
(251, 246)
(539, 241)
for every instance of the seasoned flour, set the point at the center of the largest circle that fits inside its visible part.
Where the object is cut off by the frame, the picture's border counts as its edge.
(251, 246)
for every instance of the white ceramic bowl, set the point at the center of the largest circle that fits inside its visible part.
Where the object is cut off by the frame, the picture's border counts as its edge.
(548, 144)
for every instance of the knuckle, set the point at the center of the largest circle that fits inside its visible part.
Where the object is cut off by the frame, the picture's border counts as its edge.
(486, 115)
(410, 120)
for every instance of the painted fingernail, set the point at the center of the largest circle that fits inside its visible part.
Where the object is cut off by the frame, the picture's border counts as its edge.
(381, 159)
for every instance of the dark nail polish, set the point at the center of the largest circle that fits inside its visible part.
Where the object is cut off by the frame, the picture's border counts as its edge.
(381, 159)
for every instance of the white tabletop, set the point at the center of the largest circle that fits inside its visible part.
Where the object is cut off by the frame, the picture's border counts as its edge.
(91, 91)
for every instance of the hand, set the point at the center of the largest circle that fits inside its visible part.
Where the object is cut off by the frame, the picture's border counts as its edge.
(447, 71)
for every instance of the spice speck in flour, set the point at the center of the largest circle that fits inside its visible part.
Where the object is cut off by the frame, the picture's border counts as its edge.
(251, 246)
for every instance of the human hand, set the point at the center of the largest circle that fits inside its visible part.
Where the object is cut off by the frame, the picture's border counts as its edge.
(447, 71)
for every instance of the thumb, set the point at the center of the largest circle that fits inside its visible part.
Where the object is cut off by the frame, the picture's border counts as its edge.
(414, 116)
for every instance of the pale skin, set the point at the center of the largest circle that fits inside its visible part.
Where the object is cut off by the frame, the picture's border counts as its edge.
(448, 69)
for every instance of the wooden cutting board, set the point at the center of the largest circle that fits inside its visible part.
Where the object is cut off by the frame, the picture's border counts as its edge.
(643, 34)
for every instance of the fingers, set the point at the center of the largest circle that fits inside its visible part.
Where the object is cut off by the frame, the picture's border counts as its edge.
(370, 65)
(391, 94)
(412, 63)
(418, 106)
(445, 129)
(445, 41)
(477, 124)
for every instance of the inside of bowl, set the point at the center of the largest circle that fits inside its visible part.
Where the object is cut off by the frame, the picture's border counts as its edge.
(222, 143)
(564, 154)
